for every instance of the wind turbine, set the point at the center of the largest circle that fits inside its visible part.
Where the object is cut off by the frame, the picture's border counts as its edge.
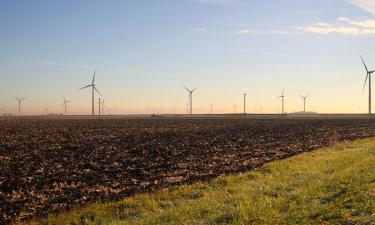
(211, 106)
(100, 102)
(304, 102)
(368, 75)
(64, 104)
(190, 98)
(244, 104)
(103, 106)
(282, 102)
(19, 104)
(93, 89)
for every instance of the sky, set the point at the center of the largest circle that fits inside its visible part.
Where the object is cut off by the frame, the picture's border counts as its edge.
(144, 51)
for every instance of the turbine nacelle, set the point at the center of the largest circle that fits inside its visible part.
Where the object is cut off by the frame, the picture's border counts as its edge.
(65, 101)
(282, 95)
(368, 73)
(20, 99)
(304, 97)
(190, 91)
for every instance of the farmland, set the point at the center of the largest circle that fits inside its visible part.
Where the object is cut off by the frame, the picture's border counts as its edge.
(50, 165)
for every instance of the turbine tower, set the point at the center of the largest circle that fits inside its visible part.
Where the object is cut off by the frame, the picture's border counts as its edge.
(190, 98)
(64, 104)
(19, 104)
(304, 102)
(368, 75)
(282, 102)
(93, 89)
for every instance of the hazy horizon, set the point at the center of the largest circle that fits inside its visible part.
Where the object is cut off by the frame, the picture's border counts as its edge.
(144, 53)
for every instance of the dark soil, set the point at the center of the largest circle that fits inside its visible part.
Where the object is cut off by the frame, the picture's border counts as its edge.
(51, 165)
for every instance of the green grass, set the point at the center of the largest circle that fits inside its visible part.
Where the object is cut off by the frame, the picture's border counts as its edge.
(333, 185)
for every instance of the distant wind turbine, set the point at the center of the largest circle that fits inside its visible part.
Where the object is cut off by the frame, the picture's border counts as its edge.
(211, 106)
(19, 104)
(93, 89)
(244, 104)
(304, 102)
(64, 104)
(103, 106)
(368, 75)
(282, 102)
(190, 98)
(99, 102)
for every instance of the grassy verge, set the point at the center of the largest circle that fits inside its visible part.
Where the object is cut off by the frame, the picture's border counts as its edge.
(330, 186)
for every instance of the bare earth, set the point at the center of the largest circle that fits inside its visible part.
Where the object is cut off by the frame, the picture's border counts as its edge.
(53, 164)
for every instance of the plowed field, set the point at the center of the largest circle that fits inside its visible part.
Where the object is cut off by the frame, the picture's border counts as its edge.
(50, 165)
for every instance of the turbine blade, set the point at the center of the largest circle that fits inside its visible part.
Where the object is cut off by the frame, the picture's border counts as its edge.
(364, 64)
(93, 79)
(17, 98)
(97, 91)
(186, 88)
(85, 87)
(364, 85)
(194, 89)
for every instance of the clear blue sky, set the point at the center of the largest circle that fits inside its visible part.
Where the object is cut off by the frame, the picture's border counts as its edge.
(144, 51)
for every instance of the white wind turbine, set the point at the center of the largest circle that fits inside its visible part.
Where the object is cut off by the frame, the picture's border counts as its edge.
(190, 98)
(103, 106)
(304, 102)
(19, 104)
(368, 75)
(244, 104)
(99, 103)
(93, 89)
(64, 104)
(282, 96)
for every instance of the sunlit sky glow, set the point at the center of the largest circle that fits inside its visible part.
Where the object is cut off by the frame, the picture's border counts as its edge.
(144, 51)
